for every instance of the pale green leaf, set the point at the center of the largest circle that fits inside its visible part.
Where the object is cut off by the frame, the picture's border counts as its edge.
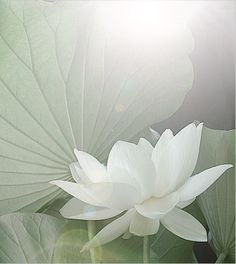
(218, 202)
(66, 83)
(28, 238)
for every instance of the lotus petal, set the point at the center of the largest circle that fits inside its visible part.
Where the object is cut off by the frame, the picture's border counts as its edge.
(77, 173)
(134, 164)
(184, 225)
(76, 209)
(93, 169)
(197, 184)
(156, 207)
(143, 226)
(146, 145)
(111, 231)
(177, 160)
(102, 194)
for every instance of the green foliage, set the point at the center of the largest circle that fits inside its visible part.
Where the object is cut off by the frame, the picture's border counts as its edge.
(28, 238)
(40, 238)
(218, 202)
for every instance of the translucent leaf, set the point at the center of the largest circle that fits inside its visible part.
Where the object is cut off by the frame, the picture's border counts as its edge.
(66, 83)
(28, 238)
(218, 202)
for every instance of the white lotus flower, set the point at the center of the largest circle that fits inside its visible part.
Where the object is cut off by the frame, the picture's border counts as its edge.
(150, 184)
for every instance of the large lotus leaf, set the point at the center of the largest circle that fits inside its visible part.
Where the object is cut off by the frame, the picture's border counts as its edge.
(28, 238)
(66, 82)
(218, 202)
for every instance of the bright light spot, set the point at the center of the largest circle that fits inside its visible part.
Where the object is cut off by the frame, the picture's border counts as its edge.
(144, 19)
(119, 108)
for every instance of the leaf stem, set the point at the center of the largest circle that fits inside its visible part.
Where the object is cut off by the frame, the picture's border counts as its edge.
(221, 258)
(91, 227)
(146, 250)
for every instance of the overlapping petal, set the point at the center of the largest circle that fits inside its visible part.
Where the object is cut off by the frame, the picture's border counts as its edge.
(119, 196)
(184, 225)
(197, 184)
(162, 143)
(78, 174)
(111, 231)
(177, 160)
(94, 170)
(76, 209)
(146, 145)
(156, 207)
(143, 226)
(129, 163)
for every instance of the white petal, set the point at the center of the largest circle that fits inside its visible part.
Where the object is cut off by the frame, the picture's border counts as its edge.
(79, 191)
(146, 145)
(76, 209)
(95, 171)
(165, 138)
(193, 156)
(185, 203)
(133, 165)
(162, 143)
(78, 174)
(200, 182)
(111, 231)
(118, 196)
(189, 148)
(184, 225)
(157, 153)
(143, 226)
(155, 207)
(177, 160)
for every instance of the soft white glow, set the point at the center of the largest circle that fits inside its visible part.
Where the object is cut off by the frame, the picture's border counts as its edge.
(144, 19)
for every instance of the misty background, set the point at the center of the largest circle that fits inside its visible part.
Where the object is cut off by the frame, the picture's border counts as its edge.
(212, 97)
